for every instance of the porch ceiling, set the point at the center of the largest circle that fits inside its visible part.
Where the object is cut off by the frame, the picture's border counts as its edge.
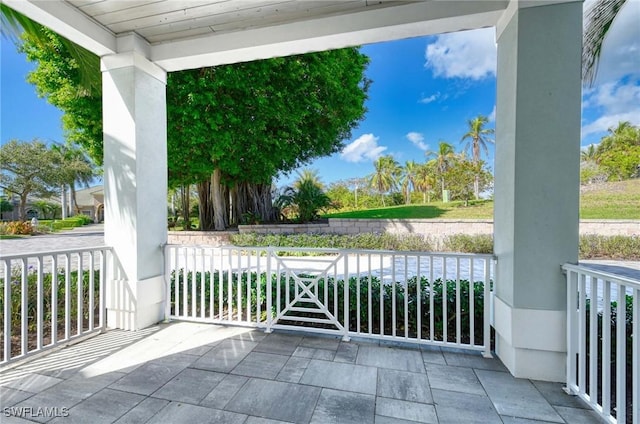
(196, 33)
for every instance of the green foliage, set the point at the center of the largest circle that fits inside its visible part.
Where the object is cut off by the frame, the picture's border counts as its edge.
(481, 243)
(61, 77)
(385, 176)
(409, 242)
(16, 228)
(306, 199)
(32, 302)
(28, 168)
(616, 157)
(48, 209)
(594, 246)
(224, 289)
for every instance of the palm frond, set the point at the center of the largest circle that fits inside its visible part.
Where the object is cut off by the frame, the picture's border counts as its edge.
(13, 24)
(598, 20)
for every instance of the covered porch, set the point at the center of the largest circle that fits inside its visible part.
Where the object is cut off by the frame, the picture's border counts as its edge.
(536, 209)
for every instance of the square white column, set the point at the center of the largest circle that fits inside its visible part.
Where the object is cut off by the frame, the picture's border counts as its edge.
(536, 183)
(135, 180)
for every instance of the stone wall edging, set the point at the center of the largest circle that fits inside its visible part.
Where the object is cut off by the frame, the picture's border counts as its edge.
(434, 228)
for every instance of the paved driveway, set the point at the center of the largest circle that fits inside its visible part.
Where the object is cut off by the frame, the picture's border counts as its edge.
(87, 236)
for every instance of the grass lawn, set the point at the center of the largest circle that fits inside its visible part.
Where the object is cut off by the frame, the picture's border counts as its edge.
(615, 200)
(11, 236)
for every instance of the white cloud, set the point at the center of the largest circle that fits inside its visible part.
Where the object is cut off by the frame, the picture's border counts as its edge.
(492, 115)
(618, 101)
(429, 99)
(465, 54)
(418, 140)
(363, 148)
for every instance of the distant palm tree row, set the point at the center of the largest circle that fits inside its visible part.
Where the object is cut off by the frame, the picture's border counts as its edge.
(443, 166)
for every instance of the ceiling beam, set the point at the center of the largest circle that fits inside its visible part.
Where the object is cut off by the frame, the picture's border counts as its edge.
(359, 28)
(69, 22)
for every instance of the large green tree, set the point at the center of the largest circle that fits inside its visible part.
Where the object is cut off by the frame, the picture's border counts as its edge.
(28, 168)
(443, 159)
(231, 128)
(618, 153)
(243, 124)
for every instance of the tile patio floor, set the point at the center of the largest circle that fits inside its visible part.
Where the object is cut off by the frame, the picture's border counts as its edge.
(200, 373)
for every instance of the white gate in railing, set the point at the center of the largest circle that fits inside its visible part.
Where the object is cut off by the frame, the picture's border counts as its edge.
(303, 297)
(603, 318)
(419, 297)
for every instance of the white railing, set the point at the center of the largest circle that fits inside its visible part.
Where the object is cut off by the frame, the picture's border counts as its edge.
(50, 298)
(428, 298)
(603, 321)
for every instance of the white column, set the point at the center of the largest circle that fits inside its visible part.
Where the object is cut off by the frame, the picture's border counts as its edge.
(135, 183)
(536, 183)
(63, 201)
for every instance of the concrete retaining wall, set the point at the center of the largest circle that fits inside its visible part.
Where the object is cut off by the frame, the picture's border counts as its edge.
(436, 229)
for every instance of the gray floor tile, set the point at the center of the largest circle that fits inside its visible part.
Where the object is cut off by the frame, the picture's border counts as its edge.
(10, 397)
(262, 365)
(225, 356)
(473, 360)
(517, 420)
(293, 370)
(224, 391)
(148, 378)
(12, 419)
(578, 415)
(143, 411)
(433, 356)
(464, 408)
(184, 413)
(105, 407)
(556, 396)
(327, 343)
(191, 386)
(404, 385)
(251, 336)
(343, 407)
(314, 353)
(275, 400)
(392, 358)
(454, 379)
(280, 344)
(334, 375)
(380, 419)
(411, 411)
(33, 383)
(346, 352)
(260, 420)
(516, 397)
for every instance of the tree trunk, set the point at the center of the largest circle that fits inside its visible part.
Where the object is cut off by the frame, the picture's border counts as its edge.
(184, 204)
(255, 200)
(220, 220)
(476, 186)
(63, 201)
(74, 203)
(205, 211)
(23, 207)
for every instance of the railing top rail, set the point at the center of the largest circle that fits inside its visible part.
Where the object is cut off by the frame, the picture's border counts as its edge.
(602, 275)
(339, 251)
(54, 252)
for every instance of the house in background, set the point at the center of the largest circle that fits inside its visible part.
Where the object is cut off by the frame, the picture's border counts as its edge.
(90, 202)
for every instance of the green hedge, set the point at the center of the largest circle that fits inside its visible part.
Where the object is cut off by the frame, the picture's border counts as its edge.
(387, 292)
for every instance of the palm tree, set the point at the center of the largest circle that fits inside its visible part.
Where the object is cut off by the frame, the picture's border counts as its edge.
(409, 174)
(426, 180)
(589, 154)
(385, 176)
(598, 18)
(13, 24)
(309, 176)
(75, 168)
(478, 139)
(443, 160)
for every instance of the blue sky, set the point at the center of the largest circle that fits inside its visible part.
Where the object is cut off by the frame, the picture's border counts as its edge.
(424, 90)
